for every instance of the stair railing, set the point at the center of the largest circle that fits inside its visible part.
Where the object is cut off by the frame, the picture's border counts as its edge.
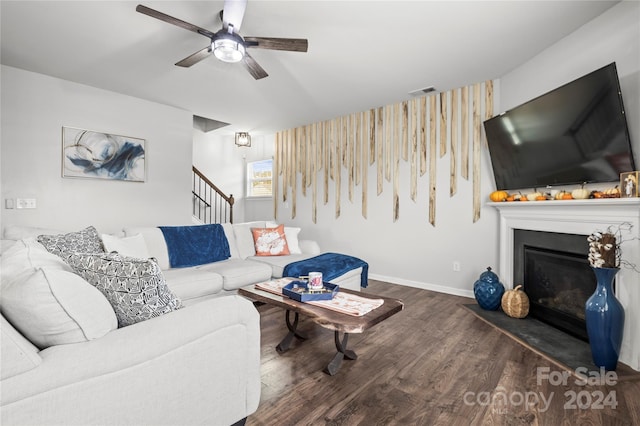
(210, 204)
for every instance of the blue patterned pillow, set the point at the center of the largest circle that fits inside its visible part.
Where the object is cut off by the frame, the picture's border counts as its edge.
(135, 287)
(86, 241)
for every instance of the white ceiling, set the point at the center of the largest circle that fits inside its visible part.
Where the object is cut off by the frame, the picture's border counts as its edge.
(362, 54)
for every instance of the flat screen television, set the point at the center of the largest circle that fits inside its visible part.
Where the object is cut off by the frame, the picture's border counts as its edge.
(574, 134)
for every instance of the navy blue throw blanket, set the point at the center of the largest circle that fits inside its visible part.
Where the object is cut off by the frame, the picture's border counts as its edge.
(195, 245)
(332, 265)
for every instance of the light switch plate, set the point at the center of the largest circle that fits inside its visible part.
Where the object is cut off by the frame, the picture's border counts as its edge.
(25, 203)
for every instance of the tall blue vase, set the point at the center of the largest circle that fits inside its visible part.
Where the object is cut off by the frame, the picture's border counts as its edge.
(605, 320)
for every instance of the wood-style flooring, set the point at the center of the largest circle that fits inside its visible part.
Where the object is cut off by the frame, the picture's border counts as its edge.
(434, 363)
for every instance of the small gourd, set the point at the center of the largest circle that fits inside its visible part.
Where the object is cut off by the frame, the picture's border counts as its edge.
(613, 192)
(533, 196)
(497, 196)
(559, 195)
(580, 193)
(567, 196)
(515, 303)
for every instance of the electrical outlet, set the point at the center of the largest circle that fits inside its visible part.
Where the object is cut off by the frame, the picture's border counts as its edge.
(456, 266)
(9, 203)
(25, 203)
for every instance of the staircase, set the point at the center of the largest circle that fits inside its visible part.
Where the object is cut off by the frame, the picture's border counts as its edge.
(210, 204)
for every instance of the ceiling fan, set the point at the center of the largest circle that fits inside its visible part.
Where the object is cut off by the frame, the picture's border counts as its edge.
(227, 44)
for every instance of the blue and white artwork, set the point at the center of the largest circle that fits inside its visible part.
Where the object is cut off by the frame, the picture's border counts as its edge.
(88, 154)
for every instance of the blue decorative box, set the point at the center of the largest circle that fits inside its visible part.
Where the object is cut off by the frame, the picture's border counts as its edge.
(299, 290)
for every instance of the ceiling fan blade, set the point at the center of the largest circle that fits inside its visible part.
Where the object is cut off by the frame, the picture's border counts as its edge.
(253, 67)
(273, 43)
(233, 13)
(171, 20)
(195, 58)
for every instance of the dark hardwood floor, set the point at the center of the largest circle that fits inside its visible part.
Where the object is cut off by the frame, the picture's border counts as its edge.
(434, 363)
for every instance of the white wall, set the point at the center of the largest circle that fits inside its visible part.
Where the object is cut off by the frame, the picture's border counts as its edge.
(35, 107)
(216, 155)
(614, 36)
(411, 251)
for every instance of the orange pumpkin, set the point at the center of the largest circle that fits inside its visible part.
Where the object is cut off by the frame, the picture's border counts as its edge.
(560, 195)
(497, 196)
(567, 196)
(541, 198)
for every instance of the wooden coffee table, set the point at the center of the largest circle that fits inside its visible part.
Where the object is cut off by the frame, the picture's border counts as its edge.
(332, 320)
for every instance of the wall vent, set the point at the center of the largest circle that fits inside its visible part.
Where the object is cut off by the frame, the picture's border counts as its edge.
(423, 91)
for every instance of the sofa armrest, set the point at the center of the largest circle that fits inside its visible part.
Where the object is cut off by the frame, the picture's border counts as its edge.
(309, 247)
(197, 365)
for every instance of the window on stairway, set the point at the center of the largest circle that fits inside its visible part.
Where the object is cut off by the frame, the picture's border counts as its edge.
(259, 177)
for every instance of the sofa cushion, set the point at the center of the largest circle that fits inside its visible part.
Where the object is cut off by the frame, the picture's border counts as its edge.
(195, 244)
(16, 232)
(309, 247)
(53, 307)
(244, 238)
(18, 354)
(238, 273)
(133, 246)
(231, 239)
(154, 240)
(193, 283)
(277, 263)
(270, 241)
(84, 241)
(135, 288)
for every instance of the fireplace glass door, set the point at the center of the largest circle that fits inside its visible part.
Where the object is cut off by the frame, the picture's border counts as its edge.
(558, 285)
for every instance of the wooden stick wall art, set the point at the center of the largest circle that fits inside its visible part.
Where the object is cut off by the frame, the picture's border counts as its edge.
(405, 132)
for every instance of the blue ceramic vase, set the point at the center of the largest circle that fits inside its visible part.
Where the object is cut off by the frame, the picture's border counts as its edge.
(605, 320)
(488, 291)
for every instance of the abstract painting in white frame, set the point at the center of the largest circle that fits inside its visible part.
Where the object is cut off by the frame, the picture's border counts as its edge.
(96, 155)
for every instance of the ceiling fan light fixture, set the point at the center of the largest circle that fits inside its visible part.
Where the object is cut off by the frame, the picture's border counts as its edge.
(228, 47)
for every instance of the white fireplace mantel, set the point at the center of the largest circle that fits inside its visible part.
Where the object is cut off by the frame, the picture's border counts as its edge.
(582, 217)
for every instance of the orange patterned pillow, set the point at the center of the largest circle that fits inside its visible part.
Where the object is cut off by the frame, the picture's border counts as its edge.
(270, 241)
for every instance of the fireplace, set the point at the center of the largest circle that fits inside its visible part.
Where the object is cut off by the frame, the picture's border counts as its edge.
(578, 218)
(556, 276)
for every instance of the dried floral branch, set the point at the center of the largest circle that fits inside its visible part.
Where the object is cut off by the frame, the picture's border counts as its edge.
(605, 247)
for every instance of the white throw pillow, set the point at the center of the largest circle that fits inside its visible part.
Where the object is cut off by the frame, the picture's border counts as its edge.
(291, 234)
(154, 240)
(133, 246)
(54, 307)
(26, 255)
(244, 237)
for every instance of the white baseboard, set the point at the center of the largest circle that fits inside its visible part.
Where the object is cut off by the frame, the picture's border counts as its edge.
(424, 286)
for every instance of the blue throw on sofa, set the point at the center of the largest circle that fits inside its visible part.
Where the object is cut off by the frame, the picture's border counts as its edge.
(332, 265)
(195, 245)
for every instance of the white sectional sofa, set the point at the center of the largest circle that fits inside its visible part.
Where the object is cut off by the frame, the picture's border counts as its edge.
(243, 268)
(64, 361)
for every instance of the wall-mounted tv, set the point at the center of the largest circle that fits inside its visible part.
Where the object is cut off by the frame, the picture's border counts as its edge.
(574, 134)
